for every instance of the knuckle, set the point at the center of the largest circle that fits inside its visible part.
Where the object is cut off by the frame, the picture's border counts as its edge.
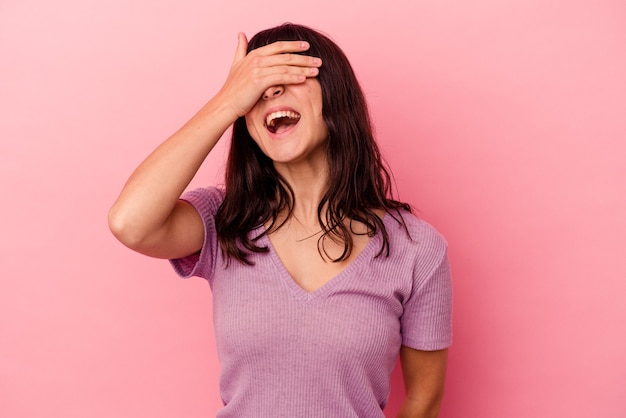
(255, 72)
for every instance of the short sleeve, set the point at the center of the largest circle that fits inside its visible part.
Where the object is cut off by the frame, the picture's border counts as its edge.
(427, 317)
(206, 201)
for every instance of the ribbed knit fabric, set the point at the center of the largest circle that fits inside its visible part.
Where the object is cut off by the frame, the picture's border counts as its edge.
(328, 353)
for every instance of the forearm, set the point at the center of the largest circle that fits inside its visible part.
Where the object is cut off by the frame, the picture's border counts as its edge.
(152, 191)
(424, 380)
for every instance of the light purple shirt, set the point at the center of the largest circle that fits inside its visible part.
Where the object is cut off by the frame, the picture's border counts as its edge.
(285, 352)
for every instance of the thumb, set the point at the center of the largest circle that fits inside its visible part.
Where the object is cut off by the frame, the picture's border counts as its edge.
(242, 47)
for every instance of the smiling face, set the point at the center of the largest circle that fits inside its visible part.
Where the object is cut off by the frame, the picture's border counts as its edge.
(287, 123)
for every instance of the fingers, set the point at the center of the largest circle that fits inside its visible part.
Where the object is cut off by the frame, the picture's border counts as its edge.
(285, 74)
(288, 59)
(242, 47)
(282, 47)
(284, 69)
(277, 63)
(279, 53)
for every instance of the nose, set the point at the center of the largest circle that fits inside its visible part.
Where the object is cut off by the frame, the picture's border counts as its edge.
(273, 92)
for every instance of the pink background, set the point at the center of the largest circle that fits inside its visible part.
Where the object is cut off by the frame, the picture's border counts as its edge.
(504, 122)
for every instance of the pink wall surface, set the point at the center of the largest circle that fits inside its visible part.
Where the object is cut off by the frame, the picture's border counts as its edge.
(504, 123)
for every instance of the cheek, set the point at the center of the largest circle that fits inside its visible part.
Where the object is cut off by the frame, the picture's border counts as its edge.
(252, 130)
(321, 122)
(254, 134)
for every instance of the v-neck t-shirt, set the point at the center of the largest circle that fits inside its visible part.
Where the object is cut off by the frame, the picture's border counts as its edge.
(286, 352)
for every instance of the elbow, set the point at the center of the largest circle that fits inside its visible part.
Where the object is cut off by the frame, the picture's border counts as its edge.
(125, 229)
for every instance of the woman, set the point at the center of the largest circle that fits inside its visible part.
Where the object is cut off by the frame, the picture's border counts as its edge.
(319, 278)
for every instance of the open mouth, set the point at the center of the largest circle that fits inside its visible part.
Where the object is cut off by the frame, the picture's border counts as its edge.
(277, 122)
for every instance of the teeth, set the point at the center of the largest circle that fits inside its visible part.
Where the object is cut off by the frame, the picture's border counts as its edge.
(269, 120)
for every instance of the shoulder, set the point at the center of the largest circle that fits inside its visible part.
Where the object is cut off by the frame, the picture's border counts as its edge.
(409, 233)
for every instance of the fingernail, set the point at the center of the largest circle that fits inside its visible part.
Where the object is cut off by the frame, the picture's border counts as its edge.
(304, 44)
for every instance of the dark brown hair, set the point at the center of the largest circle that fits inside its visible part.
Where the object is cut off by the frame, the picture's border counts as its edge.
(358, 184)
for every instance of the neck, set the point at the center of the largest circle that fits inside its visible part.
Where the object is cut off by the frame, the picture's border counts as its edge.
(309, 184)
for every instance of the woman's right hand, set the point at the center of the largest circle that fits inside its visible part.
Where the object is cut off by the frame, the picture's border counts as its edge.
(270, 65)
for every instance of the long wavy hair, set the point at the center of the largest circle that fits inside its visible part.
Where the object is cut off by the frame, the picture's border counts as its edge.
(359, 183)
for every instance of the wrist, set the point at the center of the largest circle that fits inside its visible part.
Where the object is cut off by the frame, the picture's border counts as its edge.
(224, 106)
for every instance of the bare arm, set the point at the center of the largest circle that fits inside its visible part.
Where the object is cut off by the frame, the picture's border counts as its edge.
(148, 216)
(424, 375)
